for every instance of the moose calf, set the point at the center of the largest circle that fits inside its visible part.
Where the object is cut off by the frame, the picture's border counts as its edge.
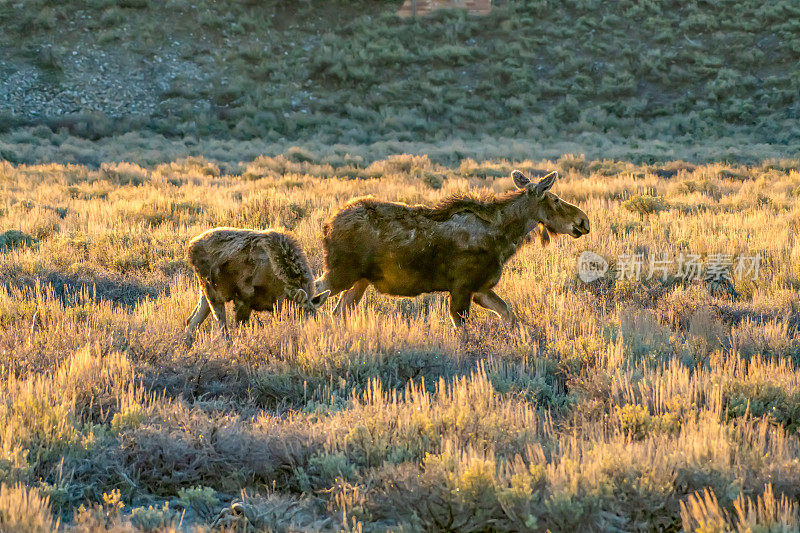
(458, 246)
(258, 270)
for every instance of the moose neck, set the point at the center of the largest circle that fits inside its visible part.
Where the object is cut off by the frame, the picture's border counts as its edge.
(514, 222)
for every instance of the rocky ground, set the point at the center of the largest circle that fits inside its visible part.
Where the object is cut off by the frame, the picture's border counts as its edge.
(57, 82)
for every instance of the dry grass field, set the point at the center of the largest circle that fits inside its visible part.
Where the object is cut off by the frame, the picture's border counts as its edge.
(615, 405)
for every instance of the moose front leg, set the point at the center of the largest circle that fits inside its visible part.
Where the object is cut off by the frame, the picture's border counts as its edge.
(459, 307)
(218, 309)
(242, 311)
(242, 302)
(491, 301)
(350, 298)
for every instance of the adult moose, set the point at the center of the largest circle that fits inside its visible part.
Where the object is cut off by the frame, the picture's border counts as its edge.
(458, 246)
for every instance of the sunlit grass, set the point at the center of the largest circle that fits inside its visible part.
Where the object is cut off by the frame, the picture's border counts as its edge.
(615, 404)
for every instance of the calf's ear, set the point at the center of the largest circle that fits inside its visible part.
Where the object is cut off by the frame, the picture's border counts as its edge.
(301, 296)
(520, 180)
(547, 182)
(320, 298)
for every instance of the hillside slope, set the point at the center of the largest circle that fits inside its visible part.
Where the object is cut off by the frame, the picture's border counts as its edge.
(354, 73)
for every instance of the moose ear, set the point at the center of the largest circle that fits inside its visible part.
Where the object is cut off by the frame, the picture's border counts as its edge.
(547, 182)
(519, 179)
(320, 298)
(301, 296)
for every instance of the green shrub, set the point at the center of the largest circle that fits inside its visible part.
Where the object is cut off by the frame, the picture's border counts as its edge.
(645, 205)
(201, 500)
(296, 154)
(572, 163)
(154, 518)
(763, 400)
(13, 238)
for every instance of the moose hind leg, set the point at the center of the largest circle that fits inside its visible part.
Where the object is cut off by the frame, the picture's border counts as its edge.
(491, 301)
(459, 307)
(350, 298)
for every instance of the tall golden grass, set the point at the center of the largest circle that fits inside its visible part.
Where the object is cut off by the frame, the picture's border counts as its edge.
(613, 405)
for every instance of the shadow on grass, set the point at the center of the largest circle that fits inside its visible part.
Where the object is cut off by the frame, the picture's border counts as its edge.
(71, 289)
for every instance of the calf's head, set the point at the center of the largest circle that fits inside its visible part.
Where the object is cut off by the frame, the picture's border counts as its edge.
(554, 214)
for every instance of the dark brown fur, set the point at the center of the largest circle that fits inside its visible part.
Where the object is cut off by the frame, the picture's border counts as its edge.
(258, 270)
(458, 246)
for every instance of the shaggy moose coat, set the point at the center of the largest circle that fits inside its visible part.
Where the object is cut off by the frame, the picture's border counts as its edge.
(458, 246)
(258, 270)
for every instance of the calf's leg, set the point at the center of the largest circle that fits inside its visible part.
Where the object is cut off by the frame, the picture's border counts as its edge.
(218, 308)
(350, 298)
(199, 314)
(459, 307)
(491, 301)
